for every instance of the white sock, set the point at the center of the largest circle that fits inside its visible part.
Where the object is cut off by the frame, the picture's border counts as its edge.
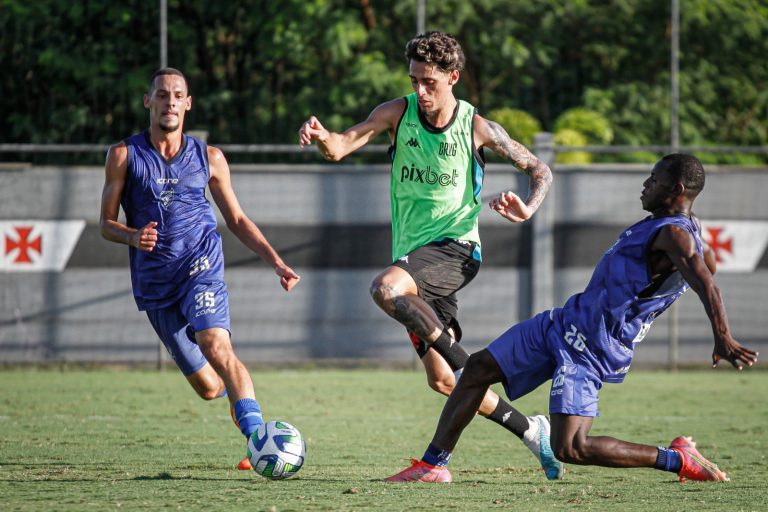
(533, 430)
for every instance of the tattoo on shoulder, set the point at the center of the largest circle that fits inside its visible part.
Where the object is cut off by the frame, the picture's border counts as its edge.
(504, 146)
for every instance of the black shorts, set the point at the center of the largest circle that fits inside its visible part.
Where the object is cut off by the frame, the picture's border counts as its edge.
(440, 269)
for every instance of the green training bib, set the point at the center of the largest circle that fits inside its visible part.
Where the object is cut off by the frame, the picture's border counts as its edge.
(436, 179)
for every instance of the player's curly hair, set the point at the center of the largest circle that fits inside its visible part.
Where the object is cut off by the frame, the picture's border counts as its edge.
(686, 169)
(438, 48)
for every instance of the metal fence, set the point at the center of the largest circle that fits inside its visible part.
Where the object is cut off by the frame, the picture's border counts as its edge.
(84, 313)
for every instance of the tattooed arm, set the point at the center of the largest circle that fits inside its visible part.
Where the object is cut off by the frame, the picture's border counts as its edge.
(492, 136)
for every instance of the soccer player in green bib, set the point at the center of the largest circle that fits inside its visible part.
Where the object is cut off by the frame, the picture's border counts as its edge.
(436, 177)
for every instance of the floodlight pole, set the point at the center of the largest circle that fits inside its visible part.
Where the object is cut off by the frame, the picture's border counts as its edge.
(674, 145)
(674, 85)
(163, 33)
(421, 16)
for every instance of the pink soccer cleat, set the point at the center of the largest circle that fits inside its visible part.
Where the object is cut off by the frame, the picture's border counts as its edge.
(244, 465)
(420, 471)
(695, 466)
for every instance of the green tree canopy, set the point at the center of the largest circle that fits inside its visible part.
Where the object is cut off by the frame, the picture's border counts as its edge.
(76, 71)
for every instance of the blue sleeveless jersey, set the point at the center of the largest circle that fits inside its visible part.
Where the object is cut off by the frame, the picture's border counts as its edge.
(607, 319)
(171, 193)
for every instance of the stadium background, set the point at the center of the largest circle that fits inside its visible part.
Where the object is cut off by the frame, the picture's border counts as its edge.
(332, 222)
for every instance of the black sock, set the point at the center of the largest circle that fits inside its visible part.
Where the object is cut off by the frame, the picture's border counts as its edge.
(509, 418)
(451, 351)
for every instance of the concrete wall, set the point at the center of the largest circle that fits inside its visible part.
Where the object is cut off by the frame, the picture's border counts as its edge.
(333, 226)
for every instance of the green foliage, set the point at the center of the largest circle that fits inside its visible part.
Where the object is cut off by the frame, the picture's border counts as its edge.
(141, 440)
(635, 157)
(520, 125)
(731, 159)
(595, 128)
(569, 137)
(76, 71)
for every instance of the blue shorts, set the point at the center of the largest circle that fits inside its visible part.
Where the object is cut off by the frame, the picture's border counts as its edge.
(533, 352)
(204, 306)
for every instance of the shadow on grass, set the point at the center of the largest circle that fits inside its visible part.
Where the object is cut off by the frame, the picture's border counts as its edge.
(162, 476)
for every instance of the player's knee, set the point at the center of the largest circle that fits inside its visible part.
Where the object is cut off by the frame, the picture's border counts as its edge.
(475, 369)
(380, 293)
(569, 451)
(209, 393)
(388, 299)
(207, 384)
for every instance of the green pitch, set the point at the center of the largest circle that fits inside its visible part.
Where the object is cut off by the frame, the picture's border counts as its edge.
(140, 440)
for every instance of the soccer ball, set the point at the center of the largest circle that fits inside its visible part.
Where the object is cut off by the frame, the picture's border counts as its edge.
(276, 450)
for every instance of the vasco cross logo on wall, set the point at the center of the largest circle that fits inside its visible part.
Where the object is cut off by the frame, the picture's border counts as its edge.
(413, 143)
(24, 245)
(28, 245)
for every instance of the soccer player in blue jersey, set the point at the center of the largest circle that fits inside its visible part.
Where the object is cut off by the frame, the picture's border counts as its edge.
(436, 179)
(591, 339)
(159, 177)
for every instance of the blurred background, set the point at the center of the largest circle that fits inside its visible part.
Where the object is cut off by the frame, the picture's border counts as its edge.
(600, 90)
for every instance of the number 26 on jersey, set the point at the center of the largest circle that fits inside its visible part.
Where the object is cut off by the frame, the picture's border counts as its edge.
(575, 339)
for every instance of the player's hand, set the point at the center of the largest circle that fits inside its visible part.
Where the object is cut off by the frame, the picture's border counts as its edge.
(311, 130)
(288, 278)
(511, 207)
(733, 352)
(145, 239)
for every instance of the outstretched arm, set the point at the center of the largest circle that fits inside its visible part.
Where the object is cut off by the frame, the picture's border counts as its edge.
(335, 146)
(116, 169)
(492, 136)
(680, 247)
(244, 229)
(710, 258)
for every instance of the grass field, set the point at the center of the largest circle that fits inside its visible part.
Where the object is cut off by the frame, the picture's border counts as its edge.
(141, 440)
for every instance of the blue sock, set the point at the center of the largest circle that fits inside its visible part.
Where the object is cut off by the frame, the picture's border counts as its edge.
(248, 414)
(669, 460)
(436, 457)
(223, 393)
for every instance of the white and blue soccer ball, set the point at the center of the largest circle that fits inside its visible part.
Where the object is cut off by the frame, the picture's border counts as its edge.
(276, 450)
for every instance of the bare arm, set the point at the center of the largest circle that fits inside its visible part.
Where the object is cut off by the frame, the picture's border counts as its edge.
(335, 146)
(244, 229)
(680, 247)
(144, 238)
(710, 258)
(492, 136)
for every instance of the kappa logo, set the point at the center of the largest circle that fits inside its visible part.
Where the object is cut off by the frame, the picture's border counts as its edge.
(412, 142)
(166, 197)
